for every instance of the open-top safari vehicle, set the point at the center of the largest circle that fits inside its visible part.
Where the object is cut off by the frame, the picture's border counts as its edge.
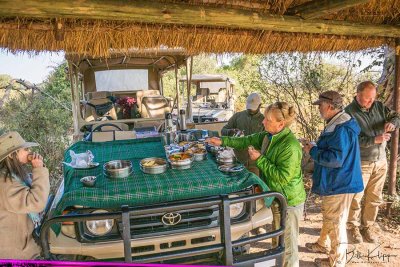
(194, 215)
(213, 97)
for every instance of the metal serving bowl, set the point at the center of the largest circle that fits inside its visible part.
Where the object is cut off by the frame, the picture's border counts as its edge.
(199, 156)
(226, 161)
(214, 150)
(118, 168)
(160, 165)
(199, 151)
(181, 164)
(88, 181)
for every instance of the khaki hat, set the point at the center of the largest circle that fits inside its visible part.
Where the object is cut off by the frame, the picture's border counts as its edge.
(331, 97)
(253, 101)
(11, 142)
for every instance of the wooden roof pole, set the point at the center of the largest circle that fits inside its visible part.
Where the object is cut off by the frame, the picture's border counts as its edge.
(320, 8)
(189, 72)
(394, 146)
(154, 12)
(178, 105)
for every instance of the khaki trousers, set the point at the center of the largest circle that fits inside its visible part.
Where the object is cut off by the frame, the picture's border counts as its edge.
(335, 210)
(374, 175)
(291, 233)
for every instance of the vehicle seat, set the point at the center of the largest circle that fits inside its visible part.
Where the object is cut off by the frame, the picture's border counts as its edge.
(155, 107)
(98, 105)
(141, 94)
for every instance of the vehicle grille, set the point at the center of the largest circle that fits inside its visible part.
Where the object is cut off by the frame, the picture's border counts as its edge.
(193, 219)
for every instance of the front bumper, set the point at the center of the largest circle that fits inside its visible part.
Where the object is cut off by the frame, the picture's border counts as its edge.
(115, 249)
(219, 240)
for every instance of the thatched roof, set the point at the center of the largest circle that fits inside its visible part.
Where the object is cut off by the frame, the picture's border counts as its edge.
(259, 26)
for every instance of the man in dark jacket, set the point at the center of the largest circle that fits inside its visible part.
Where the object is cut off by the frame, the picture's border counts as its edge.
(376, 122)
(246, 122)
(337, 176)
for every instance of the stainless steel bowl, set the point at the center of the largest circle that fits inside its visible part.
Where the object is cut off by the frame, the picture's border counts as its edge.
(226, 161)
(200, 156)
(160, 167)
(214, 150)
(88, 181)
(118, 168)
(181, 164)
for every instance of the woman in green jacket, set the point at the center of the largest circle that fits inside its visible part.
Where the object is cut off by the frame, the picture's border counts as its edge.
(278, 156)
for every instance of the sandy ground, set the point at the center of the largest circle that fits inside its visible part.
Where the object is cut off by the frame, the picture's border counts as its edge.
(385, 253)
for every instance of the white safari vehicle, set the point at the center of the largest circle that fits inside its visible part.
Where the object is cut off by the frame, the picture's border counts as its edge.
(213, 97)
(193, 215)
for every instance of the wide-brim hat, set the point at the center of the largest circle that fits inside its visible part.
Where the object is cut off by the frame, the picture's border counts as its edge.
(12, 141)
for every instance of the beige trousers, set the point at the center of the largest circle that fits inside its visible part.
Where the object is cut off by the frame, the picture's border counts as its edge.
(335, 210)
(374, 175)
(291, 233)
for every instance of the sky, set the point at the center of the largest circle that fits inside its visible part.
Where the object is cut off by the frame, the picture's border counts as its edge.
(34, 68)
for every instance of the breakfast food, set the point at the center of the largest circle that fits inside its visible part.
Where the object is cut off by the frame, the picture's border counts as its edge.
(179, 156)
(152, 163)
(149, 163)
(183, 143)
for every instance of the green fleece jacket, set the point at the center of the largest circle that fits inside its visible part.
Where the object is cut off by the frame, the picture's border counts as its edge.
(248, 123)
(372, 123)
(280, 164)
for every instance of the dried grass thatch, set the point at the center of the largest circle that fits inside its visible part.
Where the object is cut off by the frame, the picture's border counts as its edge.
(96, 37)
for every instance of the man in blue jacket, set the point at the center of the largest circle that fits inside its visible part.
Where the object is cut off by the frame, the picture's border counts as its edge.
(337, 176)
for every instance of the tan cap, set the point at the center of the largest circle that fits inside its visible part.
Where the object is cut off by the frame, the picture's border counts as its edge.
(253, 101)
(11, 142)
(331, 97)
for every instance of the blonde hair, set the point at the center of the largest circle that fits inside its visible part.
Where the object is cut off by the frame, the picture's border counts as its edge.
(281, 111)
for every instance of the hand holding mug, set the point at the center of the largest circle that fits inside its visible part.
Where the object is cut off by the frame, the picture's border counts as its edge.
(253, 153)
(36, 160)
(389, 127)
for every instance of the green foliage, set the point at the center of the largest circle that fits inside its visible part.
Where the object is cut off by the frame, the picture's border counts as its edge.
(202, 64)
(297, 78)
(4, 80)
(41, 118)
(246, 71)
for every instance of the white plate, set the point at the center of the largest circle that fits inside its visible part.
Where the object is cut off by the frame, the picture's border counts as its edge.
(91, 166)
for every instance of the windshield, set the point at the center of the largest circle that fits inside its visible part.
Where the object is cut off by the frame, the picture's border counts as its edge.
(122, 80)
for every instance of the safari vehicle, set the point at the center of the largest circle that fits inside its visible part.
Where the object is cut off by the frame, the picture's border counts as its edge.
(213, 98)
(198, 215)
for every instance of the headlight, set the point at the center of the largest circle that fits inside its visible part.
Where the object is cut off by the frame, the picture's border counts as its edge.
(236, 209)
(99, 227)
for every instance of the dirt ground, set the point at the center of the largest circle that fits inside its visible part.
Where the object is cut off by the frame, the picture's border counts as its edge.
(385, 253)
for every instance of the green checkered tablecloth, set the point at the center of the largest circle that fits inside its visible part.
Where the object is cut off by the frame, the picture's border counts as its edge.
(202, 180)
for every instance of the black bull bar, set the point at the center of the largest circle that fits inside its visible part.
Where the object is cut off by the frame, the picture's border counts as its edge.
(226, 245)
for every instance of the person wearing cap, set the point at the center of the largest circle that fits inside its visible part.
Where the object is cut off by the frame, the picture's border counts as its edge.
(248, 122)
(21, 197)
(336, 177)
(277, 154)
(376, 122)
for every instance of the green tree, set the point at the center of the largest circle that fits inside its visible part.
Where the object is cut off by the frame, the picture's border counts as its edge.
(42, 117)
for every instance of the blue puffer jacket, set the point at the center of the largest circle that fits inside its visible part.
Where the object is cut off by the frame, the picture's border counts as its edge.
(337, 164)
